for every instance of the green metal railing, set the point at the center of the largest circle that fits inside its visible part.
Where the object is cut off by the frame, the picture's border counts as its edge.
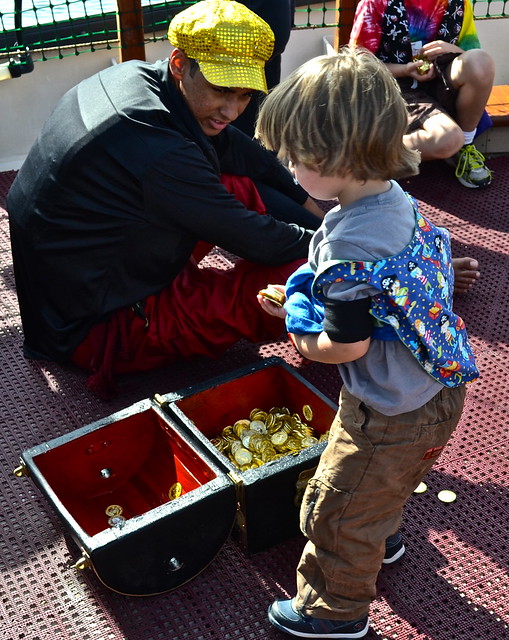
(60, 28)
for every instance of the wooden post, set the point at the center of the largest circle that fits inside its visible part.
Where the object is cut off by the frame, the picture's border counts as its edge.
(345, 11)
(130, 30)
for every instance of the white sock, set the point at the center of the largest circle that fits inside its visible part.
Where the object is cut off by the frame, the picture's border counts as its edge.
(469, 136)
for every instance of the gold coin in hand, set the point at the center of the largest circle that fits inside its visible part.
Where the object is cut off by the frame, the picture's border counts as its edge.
(274, 295)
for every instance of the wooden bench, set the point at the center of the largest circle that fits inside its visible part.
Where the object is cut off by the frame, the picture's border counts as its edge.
(498, 105)
(496, 139)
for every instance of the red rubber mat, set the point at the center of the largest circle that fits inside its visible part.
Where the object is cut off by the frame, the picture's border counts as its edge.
(452, 584)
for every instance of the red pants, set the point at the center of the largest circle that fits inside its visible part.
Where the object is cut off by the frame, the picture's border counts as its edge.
(203, 312)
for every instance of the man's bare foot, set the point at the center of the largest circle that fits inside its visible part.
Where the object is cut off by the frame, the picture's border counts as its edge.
(466, 274)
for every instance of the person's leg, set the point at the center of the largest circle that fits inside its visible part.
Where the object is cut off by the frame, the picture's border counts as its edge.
(466, 83)
(368, 471)
(206, 310)
(445, 113)
(471, 74)
(202, 313)
(439, 137)
(431, 129)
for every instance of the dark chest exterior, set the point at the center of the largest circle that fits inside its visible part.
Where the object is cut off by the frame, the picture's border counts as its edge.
(150, 500)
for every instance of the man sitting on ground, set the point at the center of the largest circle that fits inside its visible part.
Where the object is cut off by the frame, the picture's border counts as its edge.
(136, 165)
(432, 49)
(135, 175)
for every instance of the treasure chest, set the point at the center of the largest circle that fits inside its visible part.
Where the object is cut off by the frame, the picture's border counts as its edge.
(150, 495)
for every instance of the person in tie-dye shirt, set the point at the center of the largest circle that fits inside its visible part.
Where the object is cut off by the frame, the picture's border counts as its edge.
(432, 49)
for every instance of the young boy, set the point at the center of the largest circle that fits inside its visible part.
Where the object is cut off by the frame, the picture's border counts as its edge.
(375, 298)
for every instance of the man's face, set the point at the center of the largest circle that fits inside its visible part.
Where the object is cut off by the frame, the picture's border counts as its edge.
(214, 107)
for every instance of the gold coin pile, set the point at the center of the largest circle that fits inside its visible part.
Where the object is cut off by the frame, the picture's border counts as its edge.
(265, 436)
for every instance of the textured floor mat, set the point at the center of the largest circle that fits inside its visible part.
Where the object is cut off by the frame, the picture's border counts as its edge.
(452, 584)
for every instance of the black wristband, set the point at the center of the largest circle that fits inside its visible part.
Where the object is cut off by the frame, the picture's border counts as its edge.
(348, 321)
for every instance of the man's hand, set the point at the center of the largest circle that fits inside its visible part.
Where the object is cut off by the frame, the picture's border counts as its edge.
(432, 50)
(412, 69)
(311, 206)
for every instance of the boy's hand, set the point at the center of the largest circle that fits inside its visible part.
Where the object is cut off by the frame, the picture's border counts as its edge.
(272, 299)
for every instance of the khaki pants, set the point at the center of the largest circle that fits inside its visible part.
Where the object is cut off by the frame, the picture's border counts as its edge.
(367, 472)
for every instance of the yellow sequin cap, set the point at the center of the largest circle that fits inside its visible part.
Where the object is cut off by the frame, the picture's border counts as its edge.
(230, 43)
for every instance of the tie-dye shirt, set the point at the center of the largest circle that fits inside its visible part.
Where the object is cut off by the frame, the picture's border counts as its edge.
(389, 27)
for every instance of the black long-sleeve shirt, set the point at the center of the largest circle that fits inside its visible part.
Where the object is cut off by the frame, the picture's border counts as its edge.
(114, 195)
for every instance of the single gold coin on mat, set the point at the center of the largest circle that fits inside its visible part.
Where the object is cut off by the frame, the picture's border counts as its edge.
(422, 487)
(446, 496)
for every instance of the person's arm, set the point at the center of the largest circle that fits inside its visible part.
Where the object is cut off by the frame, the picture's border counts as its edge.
(183, 192)
(320, 348)
(366, 30)
(367, 33)
(410, 70)
(468, 38)
(311, 206)
(346, 335)
(242, 156)
(432, 50)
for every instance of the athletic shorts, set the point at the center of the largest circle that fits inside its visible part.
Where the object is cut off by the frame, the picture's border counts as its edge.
(430, 98)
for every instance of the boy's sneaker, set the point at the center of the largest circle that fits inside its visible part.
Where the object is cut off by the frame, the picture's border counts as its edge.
(283, 615)
(470, 168)
(394, 548)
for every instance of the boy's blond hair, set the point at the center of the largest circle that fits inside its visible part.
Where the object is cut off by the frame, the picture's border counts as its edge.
(340, 113)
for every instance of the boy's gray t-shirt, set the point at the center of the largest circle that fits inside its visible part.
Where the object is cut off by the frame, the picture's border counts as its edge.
(388, 378)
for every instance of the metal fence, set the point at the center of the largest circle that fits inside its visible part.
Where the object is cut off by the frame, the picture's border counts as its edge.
(60, 28)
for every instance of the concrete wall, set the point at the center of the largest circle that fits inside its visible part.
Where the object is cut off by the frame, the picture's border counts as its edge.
(26, 102)
(493, 34)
